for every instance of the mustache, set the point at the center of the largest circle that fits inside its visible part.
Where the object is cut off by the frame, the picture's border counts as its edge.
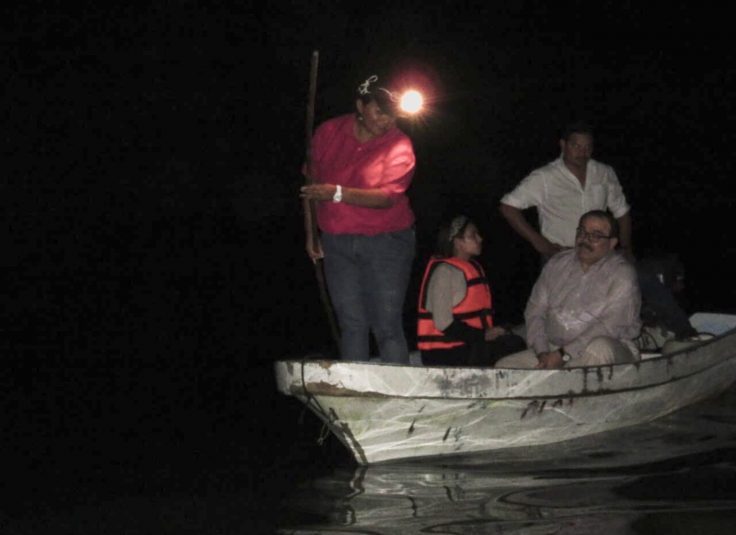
(585, 245)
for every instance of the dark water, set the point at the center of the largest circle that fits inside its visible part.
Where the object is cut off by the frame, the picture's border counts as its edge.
(136, 448)
(89, 448)
(153, 268)
(676, 475)
(137, 396)
(145, 445)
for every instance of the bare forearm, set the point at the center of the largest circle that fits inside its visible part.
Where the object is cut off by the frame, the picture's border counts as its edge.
(624, 226)
(368, 198)
(521, 226)
(536, 336)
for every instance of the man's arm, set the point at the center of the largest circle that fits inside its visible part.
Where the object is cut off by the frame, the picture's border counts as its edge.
(535, 315)
(518, 222)
(624, 240)
(616, 203)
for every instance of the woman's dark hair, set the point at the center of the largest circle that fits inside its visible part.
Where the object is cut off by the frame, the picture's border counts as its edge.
(448, 232)
(375, 89)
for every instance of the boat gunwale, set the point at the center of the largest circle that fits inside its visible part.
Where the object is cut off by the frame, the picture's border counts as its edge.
(644, 366)
(344, 392)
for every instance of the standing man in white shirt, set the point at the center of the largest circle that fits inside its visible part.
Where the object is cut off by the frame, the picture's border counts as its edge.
(562, 191)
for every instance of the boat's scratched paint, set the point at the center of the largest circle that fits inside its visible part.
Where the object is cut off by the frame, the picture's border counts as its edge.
(383, 412)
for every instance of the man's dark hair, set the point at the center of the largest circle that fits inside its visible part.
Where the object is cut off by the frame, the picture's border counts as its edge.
(577, 127)
(602, 214)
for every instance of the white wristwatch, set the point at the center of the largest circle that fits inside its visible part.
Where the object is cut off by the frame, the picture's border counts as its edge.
(338, 194)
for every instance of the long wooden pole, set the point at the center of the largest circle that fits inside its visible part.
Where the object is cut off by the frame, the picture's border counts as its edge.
(312, 216)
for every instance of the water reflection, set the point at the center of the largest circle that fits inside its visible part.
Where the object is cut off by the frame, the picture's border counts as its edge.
(673, 474)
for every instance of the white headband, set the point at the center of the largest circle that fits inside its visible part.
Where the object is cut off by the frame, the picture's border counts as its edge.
(457, 224)
(363, 88)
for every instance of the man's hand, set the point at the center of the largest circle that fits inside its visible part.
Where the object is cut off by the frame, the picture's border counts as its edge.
(550, 360)
(493, 333)
(522, 227)
(546, 248)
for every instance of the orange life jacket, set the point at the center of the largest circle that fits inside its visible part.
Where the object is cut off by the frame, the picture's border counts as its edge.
(476, 308)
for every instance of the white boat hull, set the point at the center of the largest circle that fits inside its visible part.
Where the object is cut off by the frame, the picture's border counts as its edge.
(384, 412)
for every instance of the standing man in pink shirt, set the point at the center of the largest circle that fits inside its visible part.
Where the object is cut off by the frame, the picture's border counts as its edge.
(362, 165)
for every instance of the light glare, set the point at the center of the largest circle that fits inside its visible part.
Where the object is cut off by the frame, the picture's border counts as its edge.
(411, 101)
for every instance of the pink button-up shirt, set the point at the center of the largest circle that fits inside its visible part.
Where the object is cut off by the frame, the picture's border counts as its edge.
(385, 162)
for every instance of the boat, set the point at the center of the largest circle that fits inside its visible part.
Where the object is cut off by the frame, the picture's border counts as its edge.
(387, 412)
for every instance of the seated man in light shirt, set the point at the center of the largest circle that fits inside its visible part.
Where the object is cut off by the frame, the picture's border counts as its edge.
(584, 308)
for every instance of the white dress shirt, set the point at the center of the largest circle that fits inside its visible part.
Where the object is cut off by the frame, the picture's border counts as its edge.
(561, 200)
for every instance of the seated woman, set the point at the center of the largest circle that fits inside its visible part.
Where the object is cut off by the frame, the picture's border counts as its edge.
(455, 317)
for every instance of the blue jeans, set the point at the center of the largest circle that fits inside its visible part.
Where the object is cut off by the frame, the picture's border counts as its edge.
(367, 278)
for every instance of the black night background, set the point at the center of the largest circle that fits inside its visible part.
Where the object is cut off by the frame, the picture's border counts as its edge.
(153, 254)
